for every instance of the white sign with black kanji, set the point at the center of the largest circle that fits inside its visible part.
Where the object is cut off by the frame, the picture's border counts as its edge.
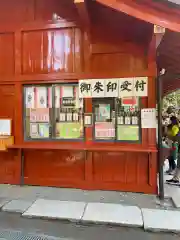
(126, 87)
(116, 87)
(85, 88)
(140, 86)
(98, 88)
(111, 87)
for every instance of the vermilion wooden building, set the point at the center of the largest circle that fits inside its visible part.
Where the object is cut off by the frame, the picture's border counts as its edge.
(47, 45)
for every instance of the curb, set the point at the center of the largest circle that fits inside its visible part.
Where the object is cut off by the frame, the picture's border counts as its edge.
(90, 222)
(154, 220)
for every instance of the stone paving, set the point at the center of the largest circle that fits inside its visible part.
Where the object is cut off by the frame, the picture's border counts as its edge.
(106, 213)
(12, 192)
(54, 209)
(17, 205)
(161, 220)
(104, 207)
(113, 213)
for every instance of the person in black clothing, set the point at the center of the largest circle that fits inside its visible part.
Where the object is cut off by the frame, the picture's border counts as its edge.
(172, 157)
(174, 135)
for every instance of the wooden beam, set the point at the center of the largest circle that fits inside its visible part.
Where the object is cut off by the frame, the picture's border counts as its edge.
(82, 9)
(159, 33)
(167, 19)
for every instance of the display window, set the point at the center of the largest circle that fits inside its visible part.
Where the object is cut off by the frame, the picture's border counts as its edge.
(56, 112)
(68, 113)
(53, 112)
(117, 119)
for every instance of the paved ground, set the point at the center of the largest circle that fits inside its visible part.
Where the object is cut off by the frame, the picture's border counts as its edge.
(33, 193)
(70, 231)
(103, 207)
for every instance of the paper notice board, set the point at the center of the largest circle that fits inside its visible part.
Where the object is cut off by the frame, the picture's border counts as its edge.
(148, 118)
(128, 133)
(5, 127)
(69, 130)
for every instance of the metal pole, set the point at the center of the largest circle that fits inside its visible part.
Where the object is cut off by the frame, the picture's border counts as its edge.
(160, 149)
(22, 168)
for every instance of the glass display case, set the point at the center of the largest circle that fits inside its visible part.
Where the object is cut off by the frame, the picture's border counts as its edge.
(53, 112)
(56, 112)
(104, 119)
(38, 111)
(128, 119)
(117, 119)
(68, 113)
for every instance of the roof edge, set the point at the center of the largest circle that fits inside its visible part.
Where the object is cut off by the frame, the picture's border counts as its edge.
(167, 17)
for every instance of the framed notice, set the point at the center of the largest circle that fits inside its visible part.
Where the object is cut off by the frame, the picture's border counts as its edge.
(88, 119)
(104, 130)
(34, 132)
(39, 130)
(127, 133)
(71, 130)
(105, 111)
(43, 130)
(5, 127)
(39, 115)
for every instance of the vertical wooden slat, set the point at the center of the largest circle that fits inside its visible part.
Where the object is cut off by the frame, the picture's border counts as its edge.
(88, 139)
(126, 168)
(18, 89)
(18, 51)
(149, 169)
(138, 162)
(152, 86)
(87, 54)
(18, 121)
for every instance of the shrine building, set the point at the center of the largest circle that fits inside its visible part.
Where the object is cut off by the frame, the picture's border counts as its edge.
(78, 91)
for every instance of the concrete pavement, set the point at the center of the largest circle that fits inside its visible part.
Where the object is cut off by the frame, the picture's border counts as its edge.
(106, 213)
(102, 213)
(82, 207)
(71, 231)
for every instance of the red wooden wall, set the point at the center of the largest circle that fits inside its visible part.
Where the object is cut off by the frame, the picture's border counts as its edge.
(33, 49)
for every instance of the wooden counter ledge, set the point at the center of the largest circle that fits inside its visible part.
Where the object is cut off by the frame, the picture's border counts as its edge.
(84, 147)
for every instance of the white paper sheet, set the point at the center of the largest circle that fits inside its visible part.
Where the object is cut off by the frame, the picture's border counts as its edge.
(87, 119)
(148, 118)
(69, 117)
(5, 127)
(41, 97)
(29, 93)
(67, 91)
(75, 117)
(62, 117)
